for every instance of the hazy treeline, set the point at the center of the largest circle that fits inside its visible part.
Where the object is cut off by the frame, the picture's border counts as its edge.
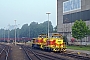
(31, 31)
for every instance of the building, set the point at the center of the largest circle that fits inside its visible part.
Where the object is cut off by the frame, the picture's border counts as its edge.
(70, 10)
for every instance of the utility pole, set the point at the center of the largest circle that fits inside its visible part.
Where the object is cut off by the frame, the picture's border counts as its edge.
(4, 34)
(8, 32)
(48, 22)
(15, 32)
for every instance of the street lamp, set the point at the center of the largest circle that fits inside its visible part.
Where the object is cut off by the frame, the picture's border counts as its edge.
(15, 32)
(48, 22)
(8, 32)
(4, 34)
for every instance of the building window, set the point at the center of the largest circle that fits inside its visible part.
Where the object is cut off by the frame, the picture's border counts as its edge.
(71, 5)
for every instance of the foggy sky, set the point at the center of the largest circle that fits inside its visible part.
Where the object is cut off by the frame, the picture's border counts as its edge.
(26, 11)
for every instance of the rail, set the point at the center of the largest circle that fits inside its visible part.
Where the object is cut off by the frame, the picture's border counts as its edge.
(30, 51)
(6, 50)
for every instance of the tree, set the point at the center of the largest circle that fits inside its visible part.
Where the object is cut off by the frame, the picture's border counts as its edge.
(32, 31)
(24, 31)
(55, 29)
(42, 28)
(79, 30)
(12, 33)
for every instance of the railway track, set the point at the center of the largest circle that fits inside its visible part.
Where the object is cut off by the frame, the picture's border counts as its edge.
(30, 54)
(76, 56)
(53, 55)
(33, 55)
(4, 52)
(73, 56)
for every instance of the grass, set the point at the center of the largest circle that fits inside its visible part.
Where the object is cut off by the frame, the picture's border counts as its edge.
(87, 48)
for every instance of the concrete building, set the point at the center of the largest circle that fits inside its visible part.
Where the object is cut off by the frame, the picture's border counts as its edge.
(70, 10)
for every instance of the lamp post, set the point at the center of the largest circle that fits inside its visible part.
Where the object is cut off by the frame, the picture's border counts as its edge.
(4, 34)
(15, 32)
(48, 22)
(8, 33)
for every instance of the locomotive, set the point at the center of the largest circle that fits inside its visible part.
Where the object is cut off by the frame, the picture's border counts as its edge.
(54, 43)
(40, 42)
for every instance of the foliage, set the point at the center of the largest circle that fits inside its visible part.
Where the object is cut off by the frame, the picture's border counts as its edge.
(55, 29)
(24, 31)
(79, 29)
(32, 30)
(41, 28)
(89, 32)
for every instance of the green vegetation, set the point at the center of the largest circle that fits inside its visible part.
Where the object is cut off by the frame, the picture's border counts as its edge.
(80, 30)
(79, 47)
(31, 30)
(55, 29)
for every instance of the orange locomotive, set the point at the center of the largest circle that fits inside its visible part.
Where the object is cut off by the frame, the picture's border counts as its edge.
(40, 42)
(54, 43)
